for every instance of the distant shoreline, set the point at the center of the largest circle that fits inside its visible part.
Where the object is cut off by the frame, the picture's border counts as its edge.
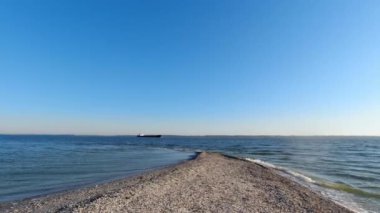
(209, 182)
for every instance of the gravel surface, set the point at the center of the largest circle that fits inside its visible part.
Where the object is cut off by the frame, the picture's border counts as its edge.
(209, 183)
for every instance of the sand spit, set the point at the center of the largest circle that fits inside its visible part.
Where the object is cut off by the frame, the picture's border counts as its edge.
(209, 183)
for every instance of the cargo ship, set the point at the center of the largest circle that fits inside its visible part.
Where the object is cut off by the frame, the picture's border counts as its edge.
(149, 136)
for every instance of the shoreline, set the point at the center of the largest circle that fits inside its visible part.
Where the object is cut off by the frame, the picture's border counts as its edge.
(72, 189)
(207, 182)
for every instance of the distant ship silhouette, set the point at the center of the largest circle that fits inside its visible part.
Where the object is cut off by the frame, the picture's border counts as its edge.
(149, 136)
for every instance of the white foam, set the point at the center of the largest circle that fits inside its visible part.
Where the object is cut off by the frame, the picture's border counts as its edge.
(260, 162)
(293, 173)
(312, 184)
(305, 178)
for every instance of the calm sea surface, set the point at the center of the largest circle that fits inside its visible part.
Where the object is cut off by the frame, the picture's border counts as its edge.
(346, 169)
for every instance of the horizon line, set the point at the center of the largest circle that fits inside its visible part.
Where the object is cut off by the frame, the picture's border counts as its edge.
(193, 135)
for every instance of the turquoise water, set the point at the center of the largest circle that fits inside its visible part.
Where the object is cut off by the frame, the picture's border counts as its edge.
(346, 169)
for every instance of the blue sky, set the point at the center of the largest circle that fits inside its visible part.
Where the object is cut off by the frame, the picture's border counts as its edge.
(190, 67)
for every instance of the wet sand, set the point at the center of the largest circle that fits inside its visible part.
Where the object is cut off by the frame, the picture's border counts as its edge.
(209, 183)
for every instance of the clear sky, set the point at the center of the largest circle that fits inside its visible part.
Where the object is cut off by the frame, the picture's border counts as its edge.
(190, 67)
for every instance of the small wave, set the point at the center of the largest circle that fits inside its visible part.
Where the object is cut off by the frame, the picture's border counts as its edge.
(323, 183)
(287, 171)
(312, 184)
(349, 189)
(308, 179)
(263, 163)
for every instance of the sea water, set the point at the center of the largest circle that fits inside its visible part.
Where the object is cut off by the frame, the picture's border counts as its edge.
(38, 165)
(345, 169)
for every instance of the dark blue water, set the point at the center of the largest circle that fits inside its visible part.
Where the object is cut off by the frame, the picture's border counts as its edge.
(347, 169)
